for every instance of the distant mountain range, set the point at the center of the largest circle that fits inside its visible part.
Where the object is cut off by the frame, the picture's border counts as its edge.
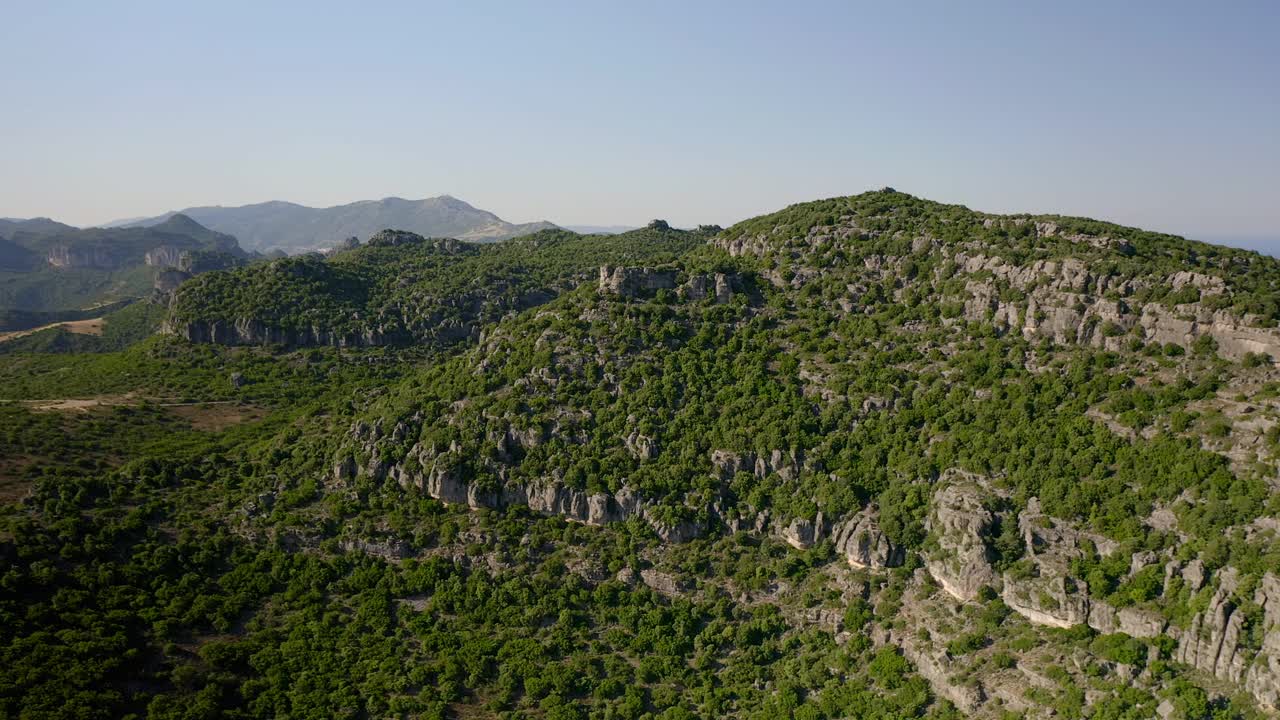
(600, 229)
(10, 227)
(297, 228)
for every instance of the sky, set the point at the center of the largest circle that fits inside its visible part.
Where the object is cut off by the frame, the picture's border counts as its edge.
(1164, 115)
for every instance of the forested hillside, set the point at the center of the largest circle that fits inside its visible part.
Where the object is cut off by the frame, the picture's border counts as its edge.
(51, 272)
(867, 457)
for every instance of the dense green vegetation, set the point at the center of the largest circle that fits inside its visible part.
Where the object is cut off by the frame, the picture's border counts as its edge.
(212, 531)
(412, 289)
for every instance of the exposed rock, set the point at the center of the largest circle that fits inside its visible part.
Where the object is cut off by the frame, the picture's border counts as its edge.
(1193, 574)
(1051, 596)
(935, 666)
(724, 287)
(642, 447)
(168, 280)
(727, 463)
(719, 286)
(961, 523)
(389, 549)
(1212, 642)
(253, 332)
(1208, 283)
(803, 533)
(864, 544)
(1140, 622)
(164, 256)
(635, 282)
(1263, 677)
(662, 582)
(97, 257)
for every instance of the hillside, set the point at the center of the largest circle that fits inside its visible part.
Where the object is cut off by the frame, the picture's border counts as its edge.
(871, 457)
(297, 228)
(9, 227)
(401, 288)
(55, 269)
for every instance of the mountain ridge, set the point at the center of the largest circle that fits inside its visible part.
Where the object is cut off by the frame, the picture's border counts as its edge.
(293, 227)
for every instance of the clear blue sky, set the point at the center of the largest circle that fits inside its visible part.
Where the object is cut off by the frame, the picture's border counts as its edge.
(1159, 114)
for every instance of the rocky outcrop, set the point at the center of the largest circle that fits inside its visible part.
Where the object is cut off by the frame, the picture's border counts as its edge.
(164, 256)
(720, 287)
(642, 447)
(255, 332)
(1065, 301)
(635, 282)
(439, 473)
(168, 280)
(1234, 338)
(858, 539)
(863, 544)
(934, 665)
(1214, 642)
(95, 257)
(1049, 594)
(727, 463)
(959, 519)
(1262, 680)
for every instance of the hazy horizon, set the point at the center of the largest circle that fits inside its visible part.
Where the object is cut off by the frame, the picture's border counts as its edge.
(1161, 116)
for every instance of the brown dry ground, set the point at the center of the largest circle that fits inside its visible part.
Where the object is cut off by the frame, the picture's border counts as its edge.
(205, 417)
(92, 326)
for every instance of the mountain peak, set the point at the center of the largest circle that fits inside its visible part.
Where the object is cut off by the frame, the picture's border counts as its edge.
(180, 223)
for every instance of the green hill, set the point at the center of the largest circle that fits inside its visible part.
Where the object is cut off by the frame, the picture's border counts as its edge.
(870, 457)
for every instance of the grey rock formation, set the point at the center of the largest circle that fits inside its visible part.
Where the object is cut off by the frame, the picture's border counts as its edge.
(661, 582)
(635, 282)
(1213, 642)
(168, 280)
(254, 332)
(864, 544)
(67, 256)
(1051, 596)
(727, 463)
(719, 286)
(642, 447)
(961, 523)
(164, 256)
(857, 538)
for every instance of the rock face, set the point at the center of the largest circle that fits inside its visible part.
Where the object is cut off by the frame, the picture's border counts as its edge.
(437, 472)
(96, 257)
(635, 282)
(1067, 302)
(1214, 641)
(857, 538)
(864, 544)
(961, 522)
(168, 280)
(933, 664)
(253, 332)
(720, 287)
(1262, 680)
(1050, 595)
(164, 256)
(727, 463)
